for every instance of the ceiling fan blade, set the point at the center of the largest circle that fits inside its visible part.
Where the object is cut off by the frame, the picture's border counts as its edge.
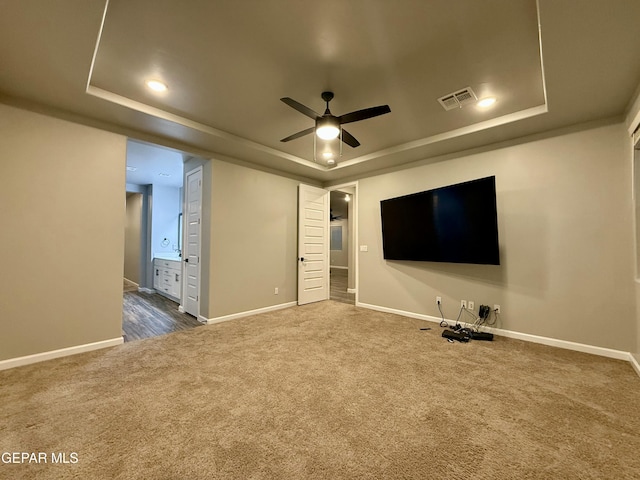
(299, 107)
(299, 134)
(349, 139)
(364, 114)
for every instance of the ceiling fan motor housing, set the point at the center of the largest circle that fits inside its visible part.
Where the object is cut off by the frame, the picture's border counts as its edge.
(327, 97)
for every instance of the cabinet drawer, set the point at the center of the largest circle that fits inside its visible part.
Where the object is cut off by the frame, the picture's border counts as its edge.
(175, 265)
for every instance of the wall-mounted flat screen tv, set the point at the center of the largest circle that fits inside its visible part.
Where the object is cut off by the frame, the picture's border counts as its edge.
(457, 224)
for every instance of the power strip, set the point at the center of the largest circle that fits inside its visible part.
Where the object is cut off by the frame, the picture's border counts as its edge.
(451, 335)
(482, 336)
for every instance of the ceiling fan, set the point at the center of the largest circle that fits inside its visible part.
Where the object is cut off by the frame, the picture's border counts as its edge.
(328, 126)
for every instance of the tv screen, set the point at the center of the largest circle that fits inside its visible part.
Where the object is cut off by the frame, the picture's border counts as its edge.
(457, 224)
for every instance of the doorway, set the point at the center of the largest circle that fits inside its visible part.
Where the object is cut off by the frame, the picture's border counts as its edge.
(315, 218)
(153, 267)
(343, 234)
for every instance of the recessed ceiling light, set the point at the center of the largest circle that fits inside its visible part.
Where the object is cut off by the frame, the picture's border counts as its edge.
(486, 102)
(156, 85)
(331, 161)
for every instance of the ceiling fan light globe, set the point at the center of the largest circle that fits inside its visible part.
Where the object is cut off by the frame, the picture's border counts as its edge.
(327, 132)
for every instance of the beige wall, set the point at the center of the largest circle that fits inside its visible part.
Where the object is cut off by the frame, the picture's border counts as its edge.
(62, 258)
(253, 239)
(132, 237)
(351, 246)
(633, 125)
(565, 217)
(565, 228)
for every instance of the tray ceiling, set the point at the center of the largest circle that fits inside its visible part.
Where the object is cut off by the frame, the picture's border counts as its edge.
(227, 64)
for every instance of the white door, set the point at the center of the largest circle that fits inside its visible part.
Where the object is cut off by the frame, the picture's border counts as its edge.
(313, 244)
(191, 255)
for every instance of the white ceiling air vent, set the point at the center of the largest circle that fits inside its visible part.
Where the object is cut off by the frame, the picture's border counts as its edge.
(458, 99)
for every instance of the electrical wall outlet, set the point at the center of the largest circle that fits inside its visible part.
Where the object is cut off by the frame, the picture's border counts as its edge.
(471, 305)
(463, 303)
(438, 300)
(275, 292)
(496, 308)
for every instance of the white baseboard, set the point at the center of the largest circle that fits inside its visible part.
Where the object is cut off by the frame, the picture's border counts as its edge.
(553, 342)
(131, 282)
(339, 267)
(634, 363)
(351, 290)
(567, 345)
(233, 316)
(404, 313)
(63, 352)
(146, 290)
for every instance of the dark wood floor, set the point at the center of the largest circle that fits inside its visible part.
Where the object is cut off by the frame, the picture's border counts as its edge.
(150, 314)
(338, 290)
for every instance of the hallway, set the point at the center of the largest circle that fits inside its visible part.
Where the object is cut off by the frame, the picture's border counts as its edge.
(338, 290)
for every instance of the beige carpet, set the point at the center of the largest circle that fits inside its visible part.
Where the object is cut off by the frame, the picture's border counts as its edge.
(324, 391)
